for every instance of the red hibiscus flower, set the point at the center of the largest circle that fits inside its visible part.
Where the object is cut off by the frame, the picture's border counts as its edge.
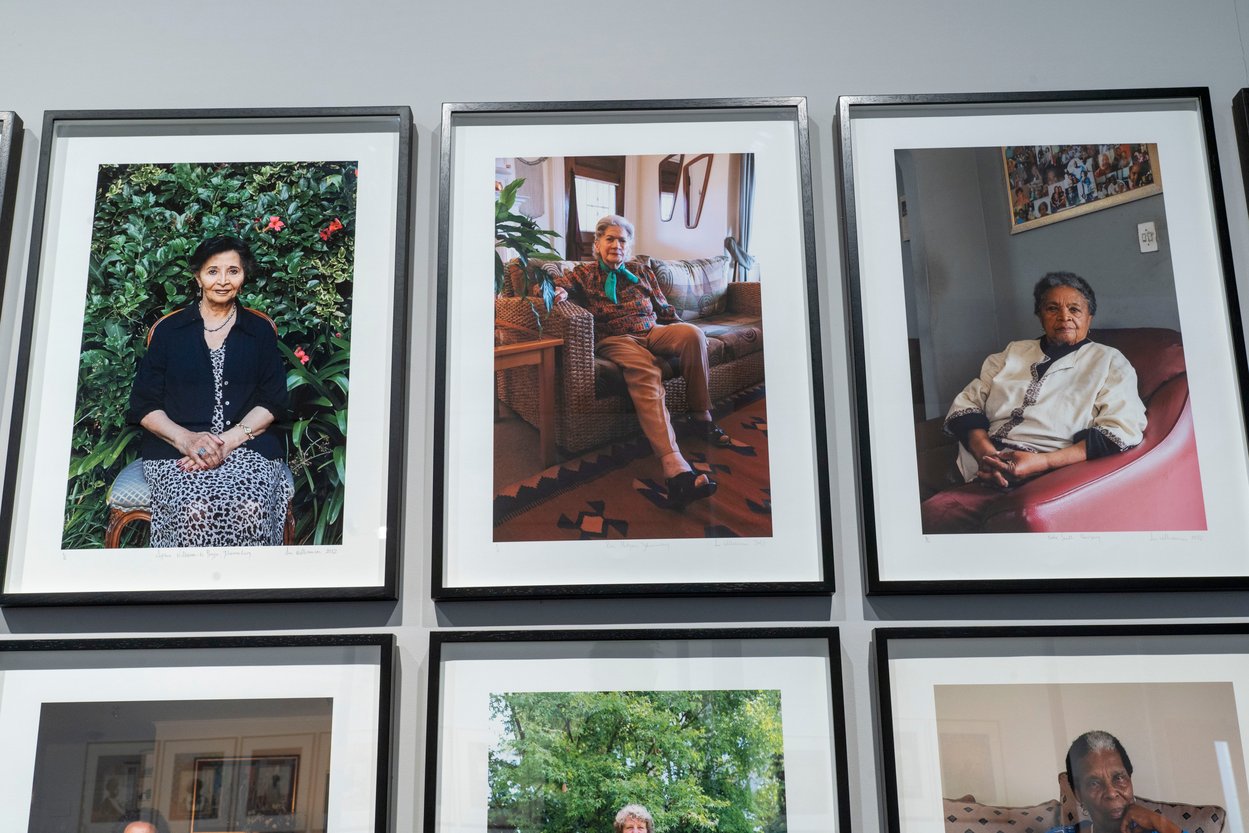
(335, 225)
(275, 224)
(301, 355)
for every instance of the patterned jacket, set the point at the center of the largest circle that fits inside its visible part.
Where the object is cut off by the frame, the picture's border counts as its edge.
(639, 306)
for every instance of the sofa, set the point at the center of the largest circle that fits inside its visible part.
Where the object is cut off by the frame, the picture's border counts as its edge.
(592, 403)
(965, 815)
(1155, 486)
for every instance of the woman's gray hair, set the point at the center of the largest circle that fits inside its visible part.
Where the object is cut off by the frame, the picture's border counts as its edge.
(604, 223)
(636, 811)
(1053, 280)
(1094, 741)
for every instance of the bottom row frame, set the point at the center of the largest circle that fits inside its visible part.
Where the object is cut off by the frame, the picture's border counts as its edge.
(698, 730)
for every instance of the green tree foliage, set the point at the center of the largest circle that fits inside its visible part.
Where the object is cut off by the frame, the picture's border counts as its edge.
(299, 219)
(699, 761)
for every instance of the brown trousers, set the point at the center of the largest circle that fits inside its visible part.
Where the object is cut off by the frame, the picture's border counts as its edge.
(637, 354)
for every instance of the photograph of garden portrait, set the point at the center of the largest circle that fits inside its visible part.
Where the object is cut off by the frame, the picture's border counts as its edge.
(629, 406)
(298, 219)
(698, 761)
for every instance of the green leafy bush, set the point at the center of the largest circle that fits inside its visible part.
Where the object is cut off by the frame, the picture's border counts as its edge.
(699, 761)
(299, 219)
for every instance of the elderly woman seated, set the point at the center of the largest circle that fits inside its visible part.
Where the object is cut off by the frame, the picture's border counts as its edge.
(1039, 405)
(1100, 773)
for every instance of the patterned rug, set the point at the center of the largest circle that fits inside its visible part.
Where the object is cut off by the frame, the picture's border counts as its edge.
(618, 492)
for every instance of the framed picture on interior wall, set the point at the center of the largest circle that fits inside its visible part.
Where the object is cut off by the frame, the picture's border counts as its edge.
(10, 157)
(1029, 414)
(1070, 729)
(214, 291)
(695, 730)
(197, 735)
(612, 378)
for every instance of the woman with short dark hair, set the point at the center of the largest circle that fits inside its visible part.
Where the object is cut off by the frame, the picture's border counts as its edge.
(206, 394)
(1040, 404)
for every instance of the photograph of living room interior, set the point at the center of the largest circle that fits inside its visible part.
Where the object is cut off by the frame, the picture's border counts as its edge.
(685, 208)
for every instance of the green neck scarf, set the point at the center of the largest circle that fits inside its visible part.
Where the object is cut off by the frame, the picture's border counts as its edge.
(609, 287)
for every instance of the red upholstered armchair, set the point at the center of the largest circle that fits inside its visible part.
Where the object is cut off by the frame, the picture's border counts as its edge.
(1153, 487)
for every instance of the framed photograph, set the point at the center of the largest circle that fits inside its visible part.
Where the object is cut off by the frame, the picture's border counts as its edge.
(686, 730)
(119, 779)
(10, 159)
(1049, 183)
(1026, 416)
(1240, 116)
(197, 735)
(226, 463)
(243, 794)
(1073, 729)
(613, 377)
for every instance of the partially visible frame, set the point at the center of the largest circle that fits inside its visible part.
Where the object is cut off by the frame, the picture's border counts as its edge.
(589, 551)
(939, 305)
(158, 709)
(1240, 117)
(769, 699)
(10, 159)
(977, 722)
(349, 459)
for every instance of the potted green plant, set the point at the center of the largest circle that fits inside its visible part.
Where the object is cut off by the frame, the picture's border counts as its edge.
(518, 232)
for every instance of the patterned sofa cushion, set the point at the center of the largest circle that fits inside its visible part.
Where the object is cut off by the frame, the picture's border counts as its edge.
(736, 335)
(969, 817)
(695, 288)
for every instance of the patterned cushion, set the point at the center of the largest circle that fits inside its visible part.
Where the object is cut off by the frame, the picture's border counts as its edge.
(129, 490)
(968, 817)
(695, 288)
(737, 335)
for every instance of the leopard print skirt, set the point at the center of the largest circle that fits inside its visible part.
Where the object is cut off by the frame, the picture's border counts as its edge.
(241, 503)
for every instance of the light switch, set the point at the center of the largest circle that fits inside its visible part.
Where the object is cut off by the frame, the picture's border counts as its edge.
(1148, 236)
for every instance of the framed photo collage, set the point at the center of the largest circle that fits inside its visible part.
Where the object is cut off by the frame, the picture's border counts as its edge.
(1047, 385)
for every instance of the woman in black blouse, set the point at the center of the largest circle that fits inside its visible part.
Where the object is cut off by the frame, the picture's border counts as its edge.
(207, 393)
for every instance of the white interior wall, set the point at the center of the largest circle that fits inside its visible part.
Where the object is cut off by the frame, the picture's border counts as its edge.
(1007, 743)
(77, 54)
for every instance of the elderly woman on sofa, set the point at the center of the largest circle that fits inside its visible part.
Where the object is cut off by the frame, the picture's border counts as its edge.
(1100, 773)
(634, 323)
(1040, 404)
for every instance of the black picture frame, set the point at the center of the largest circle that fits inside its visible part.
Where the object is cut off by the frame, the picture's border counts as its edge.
(81, 145)
(10, 161)
(193, 690)
(801, 665)
(1051, 549)
(952, 704)
(471, 560)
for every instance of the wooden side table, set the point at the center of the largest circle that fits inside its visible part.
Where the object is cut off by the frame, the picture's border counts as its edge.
(539, 352)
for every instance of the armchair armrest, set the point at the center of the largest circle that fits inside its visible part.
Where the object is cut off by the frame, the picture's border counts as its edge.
(745, 298)
(1106, 494)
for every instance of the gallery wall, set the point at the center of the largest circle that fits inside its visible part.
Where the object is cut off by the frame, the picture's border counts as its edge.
(75, 54)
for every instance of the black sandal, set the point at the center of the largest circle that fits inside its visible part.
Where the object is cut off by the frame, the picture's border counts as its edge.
(710, 432)
(684, 489)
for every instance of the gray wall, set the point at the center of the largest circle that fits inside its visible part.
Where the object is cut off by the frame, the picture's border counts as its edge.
(973, 279)
(59, 54)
